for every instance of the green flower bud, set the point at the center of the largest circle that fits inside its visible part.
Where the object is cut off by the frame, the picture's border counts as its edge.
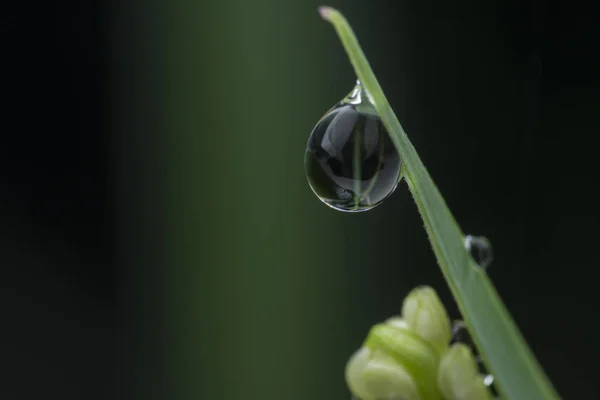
(408, 358)
(372, 375)
(410, 352)
(458, 377)
(426, 316)
(354, 368)
(397, 322)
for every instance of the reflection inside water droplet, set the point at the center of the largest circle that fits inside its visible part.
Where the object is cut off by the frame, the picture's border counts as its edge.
(351, 163)
(460, 334)
(480, 249)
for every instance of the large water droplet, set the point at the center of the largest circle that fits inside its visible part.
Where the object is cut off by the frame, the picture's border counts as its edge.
(460, 334)
(351, 163)
(480, 249)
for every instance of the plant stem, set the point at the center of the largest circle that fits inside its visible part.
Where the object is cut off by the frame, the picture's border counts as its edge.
(516, 371)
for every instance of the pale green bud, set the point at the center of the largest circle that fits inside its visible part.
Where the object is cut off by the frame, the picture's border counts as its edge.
(426, 316)
(458, 376)
(417, 357)
(397, 322)
(372, 375)
(408, 358)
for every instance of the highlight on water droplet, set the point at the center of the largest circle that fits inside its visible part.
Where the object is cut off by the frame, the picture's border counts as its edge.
(351, 163)
(460, 334)
(480, 249)
(488, 380)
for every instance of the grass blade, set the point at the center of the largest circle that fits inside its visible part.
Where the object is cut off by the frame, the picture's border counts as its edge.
(517, 373)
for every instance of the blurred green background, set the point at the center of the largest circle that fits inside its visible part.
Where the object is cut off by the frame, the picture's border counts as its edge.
(263, 291)
(261, 281)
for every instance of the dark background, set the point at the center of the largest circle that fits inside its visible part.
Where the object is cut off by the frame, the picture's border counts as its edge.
(501, 101)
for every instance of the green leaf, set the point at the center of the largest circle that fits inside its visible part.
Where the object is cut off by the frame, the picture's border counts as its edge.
(516, 371)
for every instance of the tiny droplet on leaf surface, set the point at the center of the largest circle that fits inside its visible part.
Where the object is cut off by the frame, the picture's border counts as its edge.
(460, 334)
(480, 249)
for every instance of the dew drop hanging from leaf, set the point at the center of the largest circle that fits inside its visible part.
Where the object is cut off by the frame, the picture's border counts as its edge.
(460, 334)
(351, 163)
(480, 249)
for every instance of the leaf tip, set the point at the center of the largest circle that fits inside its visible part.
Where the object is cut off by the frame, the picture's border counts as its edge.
(325, 12)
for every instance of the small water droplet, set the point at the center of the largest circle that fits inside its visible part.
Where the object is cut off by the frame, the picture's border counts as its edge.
(460, 334)
(351, 163)
(488, 379)
(480, 249)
